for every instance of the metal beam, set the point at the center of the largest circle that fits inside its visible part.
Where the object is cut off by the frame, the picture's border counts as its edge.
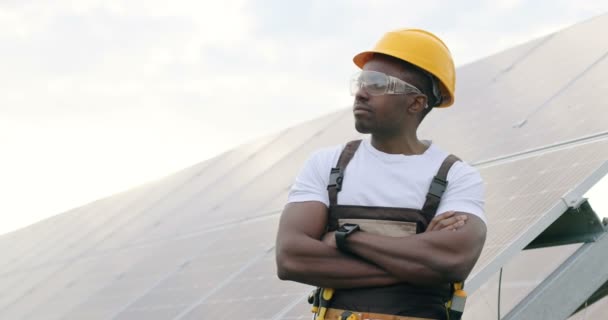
(578, 224)
(562, 292)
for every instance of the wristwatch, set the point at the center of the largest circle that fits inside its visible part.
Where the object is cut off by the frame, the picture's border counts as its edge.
(344, 231)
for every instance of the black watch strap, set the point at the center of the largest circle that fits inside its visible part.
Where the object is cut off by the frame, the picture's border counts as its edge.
(343, 232)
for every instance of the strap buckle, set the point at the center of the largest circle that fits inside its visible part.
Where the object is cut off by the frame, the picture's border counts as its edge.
(335, 179)
(438, 187)
(348, 315)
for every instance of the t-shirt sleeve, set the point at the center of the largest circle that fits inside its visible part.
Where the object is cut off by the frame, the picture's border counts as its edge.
(465, 191)
(311, 182)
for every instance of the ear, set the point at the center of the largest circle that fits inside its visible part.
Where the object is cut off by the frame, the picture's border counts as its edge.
(418, 104)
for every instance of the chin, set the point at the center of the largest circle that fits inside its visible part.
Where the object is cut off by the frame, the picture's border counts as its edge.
(362, 128)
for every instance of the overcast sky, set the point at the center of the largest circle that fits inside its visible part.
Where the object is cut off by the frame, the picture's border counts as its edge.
(100, 96)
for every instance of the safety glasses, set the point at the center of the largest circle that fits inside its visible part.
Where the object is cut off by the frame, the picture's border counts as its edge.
(377, 84)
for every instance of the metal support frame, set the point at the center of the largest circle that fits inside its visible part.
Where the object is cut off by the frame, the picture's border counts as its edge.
(578, 224)
(569, 286)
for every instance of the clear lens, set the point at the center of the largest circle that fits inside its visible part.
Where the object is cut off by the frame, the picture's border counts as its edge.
(374, 83)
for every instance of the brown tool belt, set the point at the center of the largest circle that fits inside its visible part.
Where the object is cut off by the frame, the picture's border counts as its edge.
(335, 314)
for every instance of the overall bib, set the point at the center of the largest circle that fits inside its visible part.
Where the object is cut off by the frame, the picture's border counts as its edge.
(401, 299)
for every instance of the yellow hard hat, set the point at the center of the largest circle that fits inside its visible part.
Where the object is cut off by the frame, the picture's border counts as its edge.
(422, 49)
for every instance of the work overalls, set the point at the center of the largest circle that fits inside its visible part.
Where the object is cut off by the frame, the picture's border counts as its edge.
(401, 299)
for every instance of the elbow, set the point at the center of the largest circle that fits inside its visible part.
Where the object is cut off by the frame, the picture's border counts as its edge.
(285, 266)
(458, 275)
(283, 272)
(458, 269)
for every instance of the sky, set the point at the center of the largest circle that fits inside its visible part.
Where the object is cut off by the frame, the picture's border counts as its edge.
(97, 96)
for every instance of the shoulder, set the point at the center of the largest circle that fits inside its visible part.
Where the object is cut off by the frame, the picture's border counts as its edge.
(311, 183)
(465, 191)
(460, 169)
(326, 156)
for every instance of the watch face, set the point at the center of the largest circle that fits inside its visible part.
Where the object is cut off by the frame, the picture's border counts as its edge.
(347, 227)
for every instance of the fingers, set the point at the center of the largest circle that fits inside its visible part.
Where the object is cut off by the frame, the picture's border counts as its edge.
(447, 221)
(453, 223)
(434, 225)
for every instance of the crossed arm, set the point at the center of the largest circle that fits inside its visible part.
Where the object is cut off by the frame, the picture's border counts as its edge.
(306, 254)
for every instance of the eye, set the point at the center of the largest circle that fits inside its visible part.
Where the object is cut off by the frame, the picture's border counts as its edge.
(375, 86)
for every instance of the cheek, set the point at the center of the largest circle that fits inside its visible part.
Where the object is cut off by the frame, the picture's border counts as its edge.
(395, 109)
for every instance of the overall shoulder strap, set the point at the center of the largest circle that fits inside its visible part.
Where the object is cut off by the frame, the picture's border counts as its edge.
(437, 188)
(336, 175)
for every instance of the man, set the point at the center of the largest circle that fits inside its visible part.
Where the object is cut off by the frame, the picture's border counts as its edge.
(389, 236)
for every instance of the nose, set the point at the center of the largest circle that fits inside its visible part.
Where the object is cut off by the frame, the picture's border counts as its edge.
(361, 95)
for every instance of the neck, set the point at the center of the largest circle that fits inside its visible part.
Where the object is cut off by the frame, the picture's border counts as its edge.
(406, 143)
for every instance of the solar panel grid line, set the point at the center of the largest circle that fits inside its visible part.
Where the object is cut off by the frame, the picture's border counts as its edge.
(542, 41)
(257, 196)
(77, 214)
(51, 275)
(312, 137)
(285, 165)
(232, 257)
(485, 271)
(563, 89)
(540, 150)
(25, 286)
(212, 228)
(80, 234)
(281, 314)
(516, 205)
(83, 296)
(223, 283)
(119, 295)
(75, 274)
(170, 193)
(160, 280)
(257, 294)
(50, 242)
(269, 148)
(491, 66)
(22, 242)
(181, 204)
(67, 262)
(34, 248)
(278, 203)
(248, 184)
(572, 70)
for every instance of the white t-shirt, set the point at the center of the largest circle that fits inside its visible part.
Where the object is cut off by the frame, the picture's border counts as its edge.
(375, 178)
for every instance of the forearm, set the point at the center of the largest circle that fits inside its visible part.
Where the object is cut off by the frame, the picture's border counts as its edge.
(440, 257)
(310, 261)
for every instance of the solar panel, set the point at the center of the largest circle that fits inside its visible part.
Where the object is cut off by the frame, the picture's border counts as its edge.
(70, 284)
(205, 272)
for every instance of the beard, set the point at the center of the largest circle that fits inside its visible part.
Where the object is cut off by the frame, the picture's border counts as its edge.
(362, 127)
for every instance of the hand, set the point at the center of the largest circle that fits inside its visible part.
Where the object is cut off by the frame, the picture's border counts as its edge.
(447, 221)
(330, 239)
